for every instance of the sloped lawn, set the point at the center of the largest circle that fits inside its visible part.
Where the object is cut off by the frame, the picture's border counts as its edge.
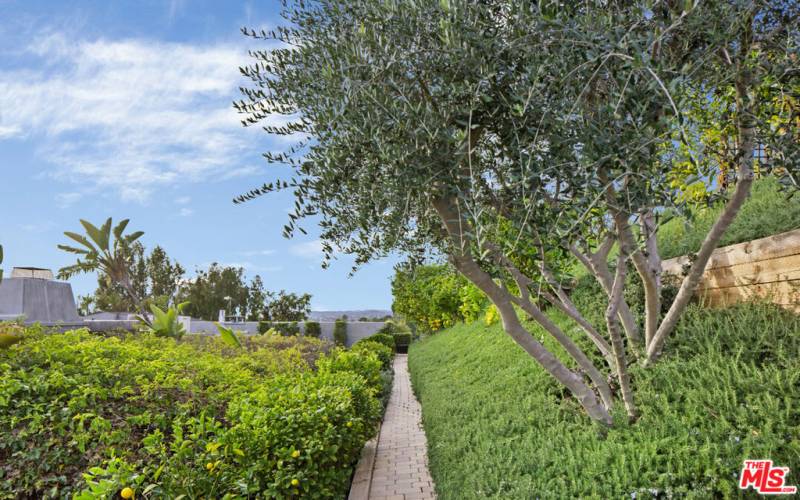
(499, 427)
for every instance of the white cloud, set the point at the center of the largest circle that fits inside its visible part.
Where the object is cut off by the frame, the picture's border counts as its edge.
(65, 200)
(130, 116)
(185, 212)
(183, 200)
(7, 131)
(253, 253)
(309, 249)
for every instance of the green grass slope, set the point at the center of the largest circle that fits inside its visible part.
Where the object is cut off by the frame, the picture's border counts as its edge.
(499, 427)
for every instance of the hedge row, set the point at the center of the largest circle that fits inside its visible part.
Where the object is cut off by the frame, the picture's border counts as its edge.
(87, 416)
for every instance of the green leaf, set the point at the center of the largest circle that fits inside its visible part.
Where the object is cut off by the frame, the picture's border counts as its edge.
(70, 249)
(105, 232)
(228, 336)
(95, 234)
(134, 236)
(120, 228)
(80, 239)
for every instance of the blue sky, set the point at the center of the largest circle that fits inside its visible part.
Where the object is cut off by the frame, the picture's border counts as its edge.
(123, 109)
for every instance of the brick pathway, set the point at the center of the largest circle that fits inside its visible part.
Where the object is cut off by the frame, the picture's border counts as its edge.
(401, 462)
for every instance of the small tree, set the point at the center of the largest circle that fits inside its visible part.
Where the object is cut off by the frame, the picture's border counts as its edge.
(153, 277)
(107, 252)
(285, 306)
(513, 137)
(215, 288)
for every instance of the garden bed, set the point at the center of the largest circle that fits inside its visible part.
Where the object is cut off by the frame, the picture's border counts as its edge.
(86, 415)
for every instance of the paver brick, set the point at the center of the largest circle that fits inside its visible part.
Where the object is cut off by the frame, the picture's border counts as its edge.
(401, 463)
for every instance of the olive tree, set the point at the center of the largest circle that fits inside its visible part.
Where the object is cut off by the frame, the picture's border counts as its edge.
(493, 131)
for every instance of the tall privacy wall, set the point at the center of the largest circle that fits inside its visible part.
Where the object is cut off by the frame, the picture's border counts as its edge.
(767, 268)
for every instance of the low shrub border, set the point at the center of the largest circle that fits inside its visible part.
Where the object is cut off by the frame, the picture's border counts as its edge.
(84, 416)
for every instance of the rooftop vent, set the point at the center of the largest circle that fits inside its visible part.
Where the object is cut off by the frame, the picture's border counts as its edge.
(32, 272)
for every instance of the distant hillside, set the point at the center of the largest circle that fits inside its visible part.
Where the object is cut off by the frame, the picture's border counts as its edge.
(351, 315)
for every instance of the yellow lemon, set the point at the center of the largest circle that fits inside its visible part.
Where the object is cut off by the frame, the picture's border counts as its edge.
(295, 482)
(209, 466)
(295, 454)
(349, 424)
(126, 493)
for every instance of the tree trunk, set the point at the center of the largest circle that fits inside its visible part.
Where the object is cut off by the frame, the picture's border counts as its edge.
(463, 261)
(651, 277)
(612, 321)
(598, 267)
(746, 128)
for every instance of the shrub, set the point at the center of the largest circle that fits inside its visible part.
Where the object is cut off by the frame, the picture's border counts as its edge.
(383, 353)
(387, 379)
(340, 332)
(85, 416)
(312, 329)
(433, 296)
(382, 338)
(391, 326)
(402, 340)
(363, 362)
(285, 328)
(766, 212)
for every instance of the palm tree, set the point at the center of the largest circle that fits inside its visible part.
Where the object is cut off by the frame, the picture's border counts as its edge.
(111, 257)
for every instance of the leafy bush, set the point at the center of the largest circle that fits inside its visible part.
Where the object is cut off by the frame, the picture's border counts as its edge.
(165, 323)
(381, 338)
(340, 332)
(765, 213)
(312, 329)
(84, 415)
(725, 390)
(402, 339)
(285, 328)
(435, 296)
(363, 362)
(381, 351)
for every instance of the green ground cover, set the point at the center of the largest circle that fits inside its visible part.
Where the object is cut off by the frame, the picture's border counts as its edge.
(767, 211)
(499, 427)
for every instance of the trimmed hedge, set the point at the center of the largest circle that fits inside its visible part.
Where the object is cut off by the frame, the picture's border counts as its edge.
(312, 329)
(402, 339)
(340, 332)
(381, 338)
(285, 328)
(84, 415)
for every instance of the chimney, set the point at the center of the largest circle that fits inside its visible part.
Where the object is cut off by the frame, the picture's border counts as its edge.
(32, 272)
